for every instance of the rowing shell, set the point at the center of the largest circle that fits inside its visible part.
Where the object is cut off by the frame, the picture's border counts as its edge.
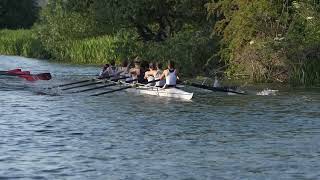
(158, 91)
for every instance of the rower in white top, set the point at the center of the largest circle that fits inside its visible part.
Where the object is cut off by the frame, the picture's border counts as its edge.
(171, 75)
(216, 82)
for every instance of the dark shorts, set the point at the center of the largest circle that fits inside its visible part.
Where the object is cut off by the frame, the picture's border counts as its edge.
(170, 86)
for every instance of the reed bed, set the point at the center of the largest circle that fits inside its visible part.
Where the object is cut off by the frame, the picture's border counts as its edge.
(307, 73)
(20, 43)
(97, 50)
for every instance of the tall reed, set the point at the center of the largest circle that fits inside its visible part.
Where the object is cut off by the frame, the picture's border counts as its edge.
(20, 42)
(306, 73)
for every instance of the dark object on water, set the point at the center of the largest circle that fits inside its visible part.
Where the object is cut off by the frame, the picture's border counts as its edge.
(219, 89)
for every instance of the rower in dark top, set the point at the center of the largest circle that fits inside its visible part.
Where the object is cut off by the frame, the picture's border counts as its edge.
(158, 74)
(170, 75)
(104, 73)
(150, 75)
(136, 71)
(113, 70)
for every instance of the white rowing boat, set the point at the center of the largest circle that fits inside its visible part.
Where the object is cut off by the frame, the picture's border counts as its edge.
(161, 92)
(158, 91)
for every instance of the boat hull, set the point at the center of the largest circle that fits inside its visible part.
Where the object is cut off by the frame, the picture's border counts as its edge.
(156, 91)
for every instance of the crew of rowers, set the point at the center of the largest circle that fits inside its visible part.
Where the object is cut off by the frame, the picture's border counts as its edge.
(153, 75)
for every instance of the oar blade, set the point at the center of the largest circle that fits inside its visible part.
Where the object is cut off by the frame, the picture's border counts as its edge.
(35, 77)
(17, 73)
(44, 76)
(28, 77)
(219, 89)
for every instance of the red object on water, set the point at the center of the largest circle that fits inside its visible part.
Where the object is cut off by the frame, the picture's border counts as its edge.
(29, 77)
(18, 72)
(14, 71)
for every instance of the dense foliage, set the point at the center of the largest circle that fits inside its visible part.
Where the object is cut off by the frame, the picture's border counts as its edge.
(269, 40)
(261, 41)
(98, 31)
(154, 20)
(16, 14)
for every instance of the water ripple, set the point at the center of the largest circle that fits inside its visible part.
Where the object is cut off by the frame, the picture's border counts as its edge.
(120, 136)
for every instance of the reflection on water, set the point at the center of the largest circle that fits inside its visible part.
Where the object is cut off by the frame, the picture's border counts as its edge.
(123, 136)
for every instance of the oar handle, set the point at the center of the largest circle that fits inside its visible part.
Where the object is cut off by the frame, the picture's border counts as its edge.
(153, 81)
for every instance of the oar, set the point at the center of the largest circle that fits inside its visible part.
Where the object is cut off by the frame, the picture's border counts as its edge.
(219, 89)
(90, 89)
(108, 85)
(78, 82)
(94, 83)
(115, 90)
(84, 85)
(73, 83)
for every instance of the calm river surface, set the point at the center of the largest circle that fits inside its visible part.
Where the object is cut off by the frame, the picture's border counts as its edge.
(125, 136)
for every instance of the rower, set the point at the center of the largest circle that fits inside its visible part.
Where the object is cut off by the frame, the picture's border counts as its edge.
(124, 69)
(113, 70)
(104, 73)
(216, 82)
(150, 75)
(170, 75)
(136, 72)
(157, 76)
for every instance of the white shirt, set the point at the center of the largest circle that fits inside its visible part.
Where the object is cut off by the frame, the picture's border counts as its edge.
(171, 78)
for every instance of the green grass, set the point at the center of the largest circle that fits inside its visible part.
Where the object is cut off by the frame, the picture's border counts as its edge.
(21, 43)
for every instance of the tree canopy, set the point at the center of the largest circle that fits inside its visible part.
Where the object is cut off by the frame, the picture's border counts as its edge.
(154, 20)
(15, 14)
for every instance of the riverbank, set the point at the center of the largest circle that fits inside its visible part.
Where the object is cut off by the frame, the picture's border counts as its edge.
(100, 50)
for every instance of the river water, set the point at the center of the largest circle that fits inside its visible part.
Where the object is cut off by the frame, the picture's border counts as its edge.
(125, 136)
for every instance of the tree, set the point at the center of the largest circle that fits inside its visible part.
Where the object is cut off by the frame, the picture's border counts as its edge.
(154, 20)
(15, 14)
